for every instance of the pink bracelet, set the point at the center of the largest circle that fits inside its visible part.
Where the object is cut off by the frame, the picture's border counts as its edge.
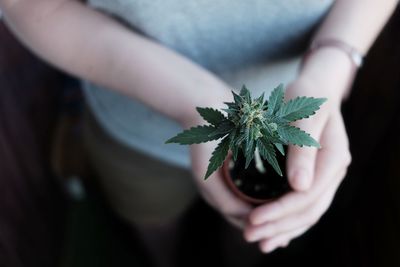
(353, 54)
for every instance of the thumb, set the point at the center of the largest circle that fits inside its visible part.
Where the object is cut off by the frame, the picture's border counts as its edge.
(300, 167)
(300, 164)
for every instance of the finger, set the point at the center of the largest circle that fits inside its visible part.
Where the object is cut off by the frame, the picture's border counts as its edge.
(221, 198)
(301, 160)
(303, 219)
(239, 222)
(332, 158)
(214, 190)
(282, 240)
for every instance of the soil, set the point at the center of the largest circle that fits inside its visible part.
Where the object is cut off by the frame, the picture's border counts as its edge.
(259, 185)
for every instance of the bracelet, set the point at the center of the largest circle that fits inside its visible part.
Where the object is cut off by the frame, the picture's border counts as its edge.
(353, 54)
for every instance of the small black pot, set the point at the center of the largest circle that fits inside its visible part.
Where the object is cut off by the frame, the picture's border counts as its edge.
(252, 186)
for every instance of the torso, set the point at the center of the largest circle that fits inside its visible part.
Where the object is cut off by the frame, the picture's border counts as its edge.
(237, 40)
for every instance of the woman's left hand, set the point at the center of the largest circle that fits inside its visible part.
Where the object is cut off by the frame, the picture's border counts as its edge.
(314, 174)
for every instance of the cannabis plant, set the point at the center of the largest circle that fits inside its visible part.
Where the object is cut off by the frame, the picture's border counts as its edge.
(255, 127)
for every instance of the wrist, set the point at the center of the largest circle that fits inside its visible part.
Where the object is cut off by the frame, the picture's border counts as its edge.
(354, 55)
(329, 69)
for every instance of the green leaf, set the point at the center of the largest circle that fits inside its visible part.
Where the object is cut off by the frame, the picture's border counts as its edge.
(275, 100)
(232, 105)
(243, 119)
(232, 143)
(300, 108)
(224, 128)
(195, 135)
(248, 138)
(241, 138)
(245, 93)
(270, 136)
(276, 119)
(211, 115)
(237, 98)
(230, 112)
(295, 136)
(280, 148)
(250, 153)
(218, 157)
(260, 99)
(268, 153)
(235, 152)
(266, 129)
(250, 147)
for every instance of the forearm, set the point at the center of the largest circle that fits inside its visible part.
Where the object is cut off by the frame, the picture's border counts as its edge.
(354, 22)
(90, 45)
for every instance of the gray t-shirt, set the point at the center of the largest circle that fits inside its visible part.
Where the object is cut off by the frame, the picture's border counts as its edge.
(253, 42)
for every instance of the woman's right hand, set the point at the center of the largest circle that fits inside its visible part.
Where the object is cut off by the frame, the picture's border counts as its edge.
(214, 190)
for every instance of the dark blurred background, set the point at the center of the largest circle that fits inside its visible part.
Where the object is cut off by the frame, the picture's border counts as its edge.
(52, 215)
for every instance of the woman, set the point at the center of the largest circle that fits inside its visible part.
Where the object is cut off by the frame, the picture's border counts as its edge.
(170, 57)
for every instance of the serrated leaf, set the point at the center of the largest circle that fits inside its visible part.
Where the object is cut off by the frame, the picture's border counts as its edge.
(250, 145)
(195, 135)
(232, 143)
(241, 138)
(280, 148)
(268, 153)
(212, 116)
(296, 136)
(223, 128)
(248, 139)
(250, 153)
(232, 105)
(218, 157)
(230, 111)
(237, 98)
(234, 135)
(268, 135)
(300, 108)
(243, 120)
(235, 152)
(277, 120)
(266, 130)
(275, 100)
(245, 93)
(260, 99)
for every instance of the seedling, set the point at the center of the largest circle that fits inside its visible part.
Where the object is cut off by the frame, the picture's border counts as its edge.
(259, 129)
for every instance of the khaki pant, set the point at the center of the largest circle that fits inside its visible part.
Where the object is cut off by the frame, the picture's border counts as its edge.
(141, 189)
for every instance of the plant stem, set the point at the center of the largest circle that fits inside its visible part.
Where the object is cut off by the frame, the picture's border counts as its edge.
(259, 164)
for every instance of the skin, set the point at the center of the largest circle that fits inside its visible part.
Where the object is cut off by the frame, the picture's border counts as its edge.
(90, 45)
(314, 174)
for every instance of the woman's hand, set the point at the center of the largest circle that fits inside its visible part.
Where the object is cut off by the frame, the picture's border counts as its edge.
(314, 174)
(214, 190)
